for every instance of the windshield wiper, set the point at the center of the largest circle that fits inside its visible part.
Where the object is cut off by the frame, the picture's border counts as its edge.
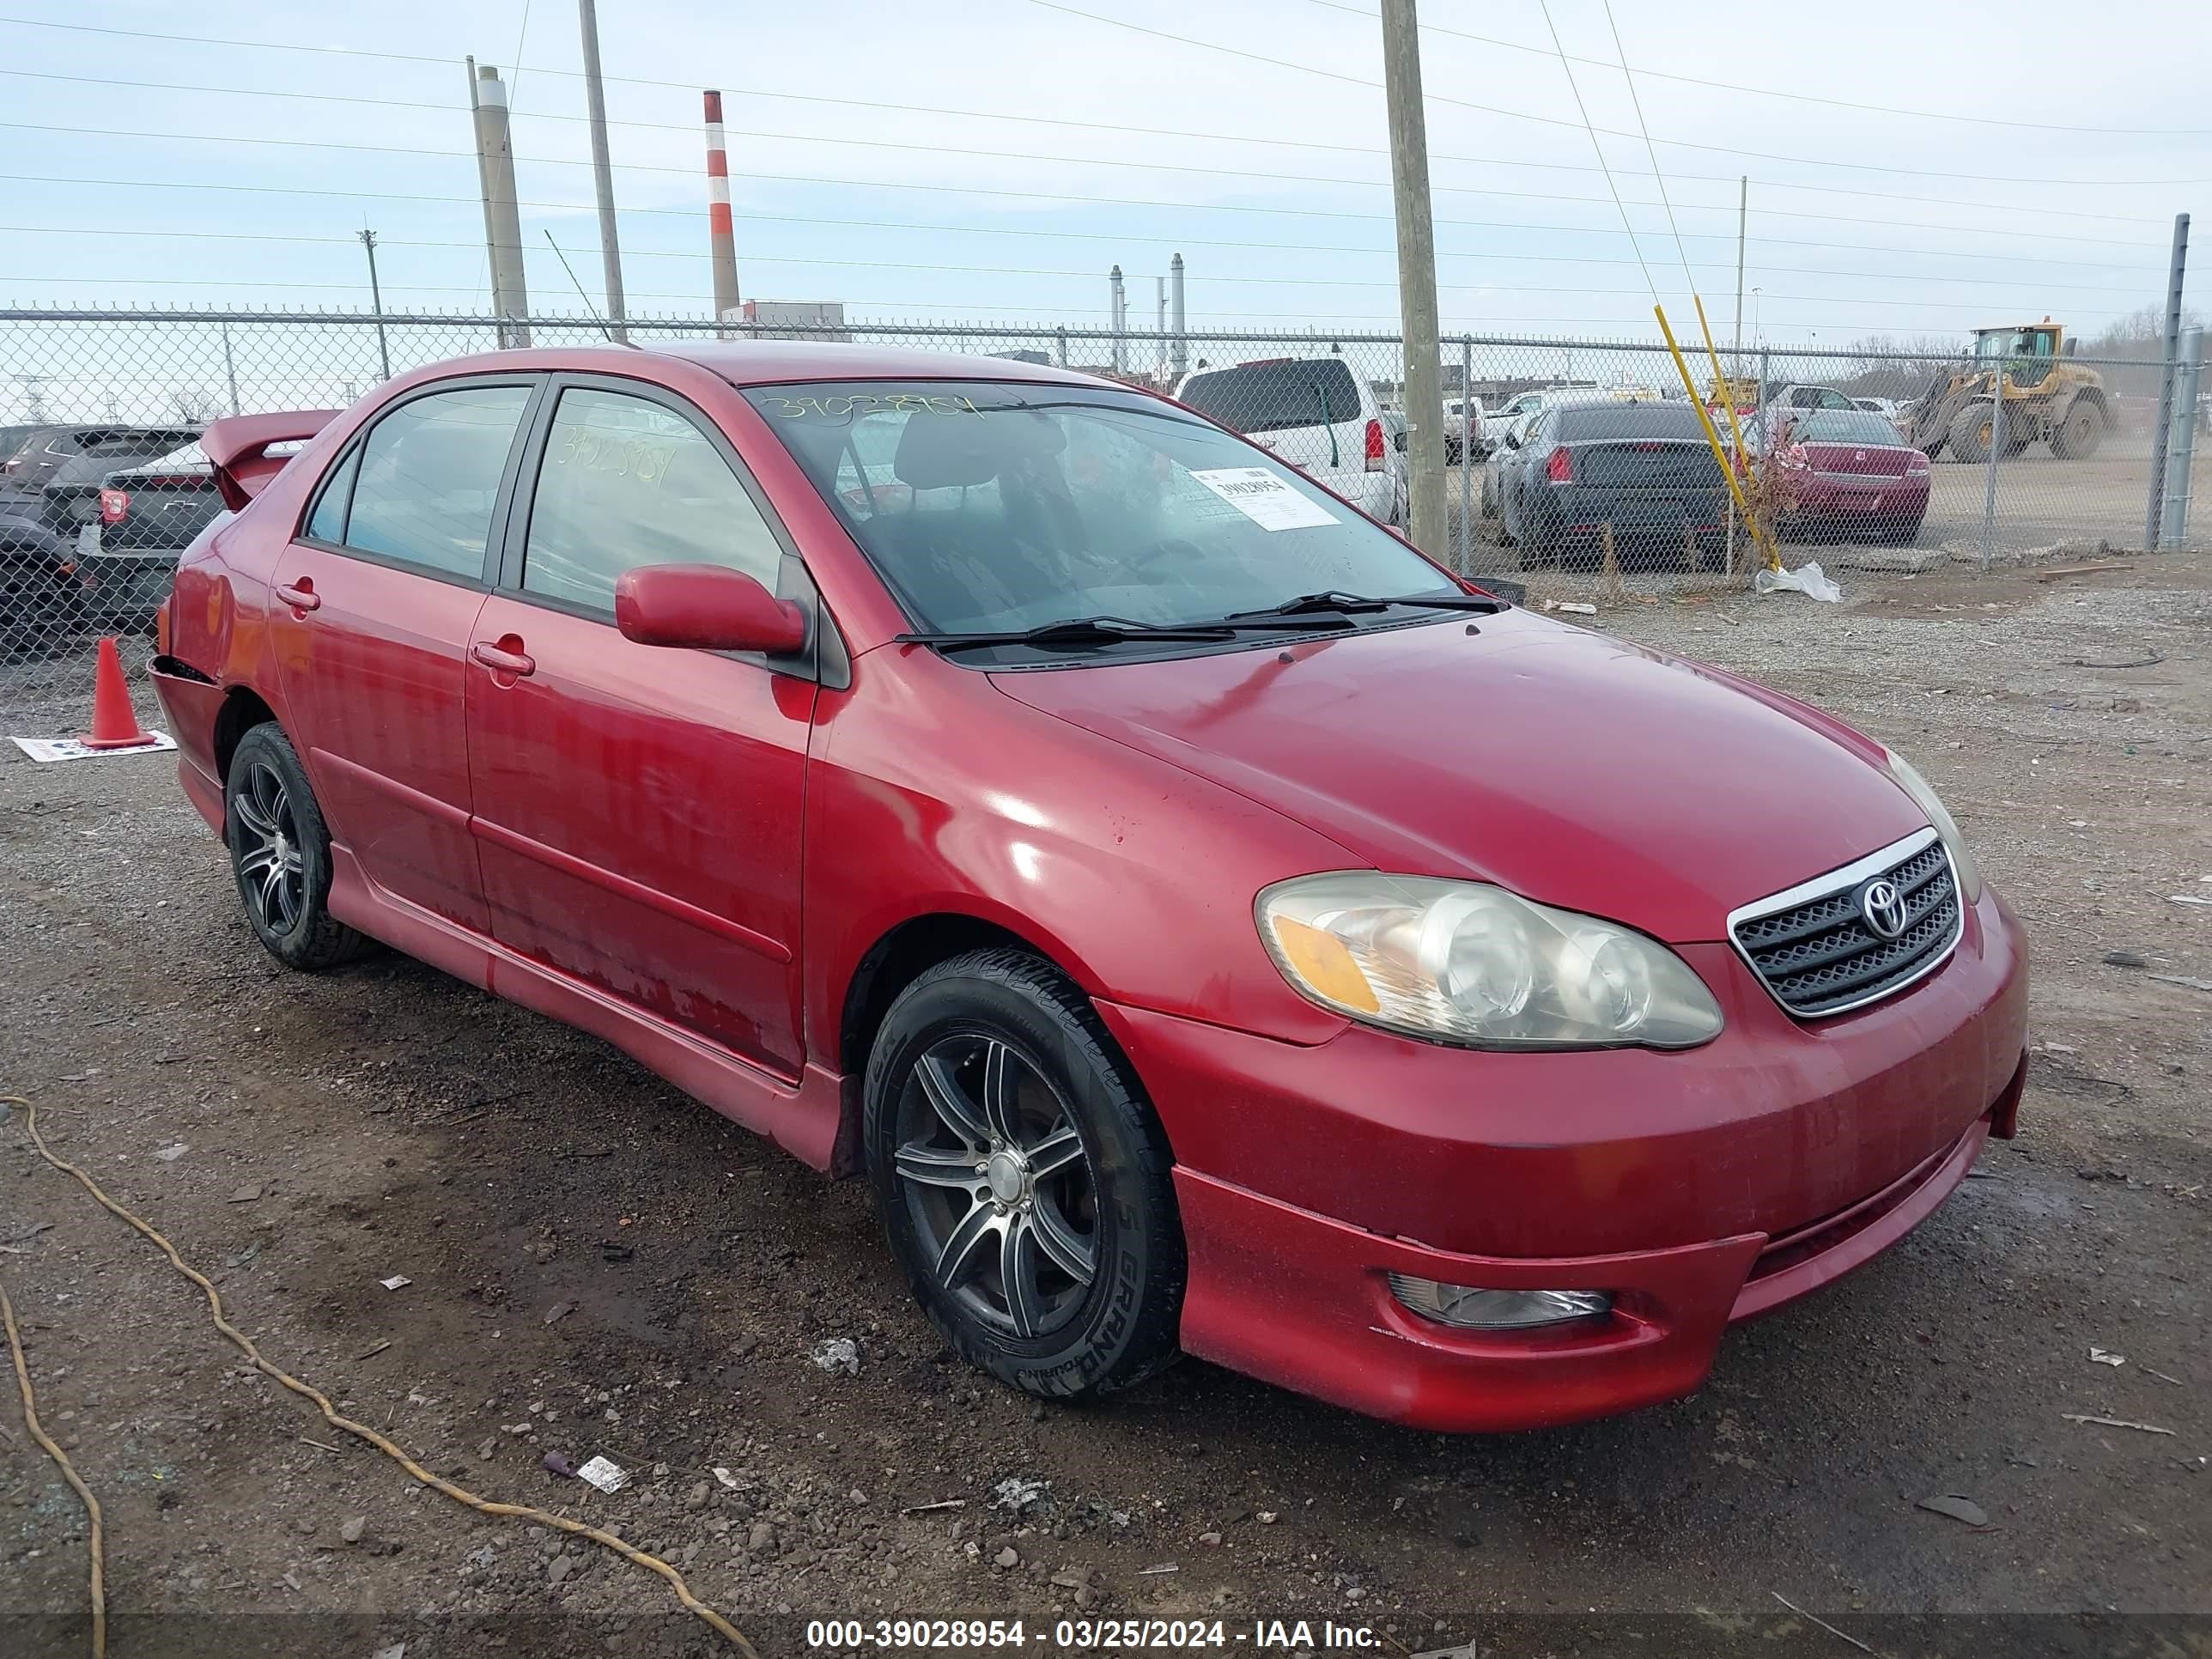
(1346, 605)
(1109, 631)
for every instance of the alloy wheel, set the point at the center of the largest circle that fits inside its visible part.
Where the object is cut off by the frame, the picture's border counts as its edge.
(996, 1177)
(270, 871)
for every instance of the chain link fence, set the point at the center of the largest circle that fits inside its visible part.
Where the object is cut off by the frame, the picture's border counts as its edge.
(1563, 455)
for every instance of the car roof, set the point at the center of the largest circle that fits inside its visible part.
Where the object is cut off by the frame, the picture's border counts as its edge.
(757, 363)
(768, 363)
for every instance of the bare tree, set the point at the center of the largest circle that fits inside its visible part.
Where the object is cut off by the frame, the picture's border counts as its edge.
(194, 408)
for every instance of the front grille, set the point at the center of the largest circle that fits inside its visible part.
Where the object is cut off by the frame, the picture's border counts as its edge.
(1815, 950)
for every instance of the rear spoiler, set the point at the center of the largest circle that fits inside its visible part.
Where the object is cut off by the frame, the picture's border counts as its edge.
(238, 446)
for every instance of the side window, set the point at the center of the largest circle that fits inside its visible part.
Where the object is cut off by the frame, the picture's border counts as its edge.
(328, 522)
(627, 483)
(428, 477)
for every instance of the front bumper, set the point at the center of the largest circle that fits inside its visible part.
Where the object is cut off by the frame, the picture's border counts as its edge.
(1699, 1188)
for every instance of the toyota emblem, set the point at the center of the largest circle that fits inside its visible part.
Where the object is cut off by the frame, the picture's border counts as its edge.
(1883, 906)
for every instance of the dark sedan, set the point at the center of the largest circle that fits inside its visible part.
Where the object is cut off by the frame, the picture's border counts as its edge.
(1642, 470)
(126, 529)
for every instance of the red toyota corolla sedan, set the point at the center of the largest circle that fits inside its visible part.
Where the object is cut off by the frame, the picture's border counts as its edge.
(1209, 926)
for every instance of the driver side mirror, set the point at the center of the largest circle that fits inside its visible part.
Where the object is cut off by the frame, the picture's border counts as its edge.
(705, 607)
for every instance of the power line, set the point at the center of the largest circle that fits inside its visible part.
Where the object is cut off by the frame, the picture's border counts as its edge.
(1144, 202)
(1087, 275)
(1658, 178)
(998, 115)
(669, 126)
(1793, 97)
(1555, 121)
(1599, 148)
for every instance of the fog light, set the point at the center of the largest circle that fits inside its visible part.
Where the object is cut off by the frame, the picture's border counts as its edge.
(1496, 1310)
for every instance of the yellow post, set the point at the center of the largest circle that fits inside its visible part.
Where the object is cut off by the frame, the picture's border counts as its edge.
(1713, 437)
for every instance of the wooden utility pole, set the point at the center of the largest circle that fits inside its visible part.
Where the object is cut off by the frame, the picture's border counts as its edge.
(1417, 275)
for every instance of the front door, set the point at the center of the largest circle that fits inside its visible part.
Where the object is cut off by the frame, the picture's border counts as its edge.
(639, 808)
(370, 624)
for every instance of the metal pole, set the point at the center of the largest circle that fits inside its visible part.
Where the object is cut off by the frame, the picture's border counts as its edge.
(1117, 314)
(1996, 448)
(721, 233)
(230, 368)
(2181, 448)
(1416, 271)
(2176, 267)
(603, 178)
(1160, 318)
(1179, 352)
(1466, 453)
(510, 296)
(1742, 219)
(376, 302)
(1059, 346)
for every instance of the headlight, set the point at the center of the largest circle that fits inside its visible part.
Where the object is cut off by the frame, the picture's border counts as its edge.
(1962, 861)
(1472, 964)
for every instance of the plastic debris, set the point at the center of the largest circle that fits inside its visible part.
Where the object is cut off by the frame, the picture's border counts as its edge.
(606, 1475)
(1017, 1495)
(397, 1282)
(725, 1477)
(838, 1353)
(2107, 1356)
(171, 1152)
(1805, 579)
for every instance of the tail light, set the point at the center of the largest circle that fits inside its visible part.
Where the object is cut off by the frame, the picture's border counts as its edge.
(114, 505)
(1375, 446)
(1918, 463)
(1560, 468)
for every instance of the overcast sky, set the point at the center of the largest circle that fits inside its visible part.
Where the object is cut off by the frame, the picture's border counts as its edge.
(1030, 170)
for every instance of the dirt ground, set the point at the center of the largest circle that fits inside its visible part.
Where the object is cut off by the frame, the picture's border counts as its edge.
(600, 1267)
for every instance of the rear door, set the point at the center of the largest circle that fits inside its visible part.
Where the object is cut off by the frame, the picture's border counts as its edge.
(370, 623)
(639, 808)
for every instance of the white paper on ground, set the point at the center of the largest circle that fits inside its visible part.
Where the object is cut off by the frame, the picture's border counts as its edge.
(65, 748)
(1805, 579)
(606, 1475)
(1265, 499)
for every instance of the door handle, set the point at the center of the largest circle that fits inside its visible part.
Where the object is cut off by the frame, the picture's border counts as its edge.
(507, 657)
(300, 595)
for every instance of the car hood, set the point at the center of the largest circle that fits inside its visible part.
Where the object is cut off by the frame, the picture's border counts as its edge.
(1572, 767)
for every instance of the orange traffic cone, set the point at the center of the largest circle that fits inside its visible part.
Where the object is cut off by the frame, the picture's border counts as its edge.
(114, 721)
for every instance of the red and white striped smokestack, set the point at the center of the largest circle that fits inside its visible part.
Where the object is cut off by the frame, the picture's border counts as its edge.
(721, 233)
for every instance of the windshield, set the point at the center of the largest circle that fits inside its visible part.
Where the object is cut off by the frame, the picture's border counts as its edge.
(1272, 396)
(1005, 507)
(1583, 422)
(1840, 426)
(2005, 342)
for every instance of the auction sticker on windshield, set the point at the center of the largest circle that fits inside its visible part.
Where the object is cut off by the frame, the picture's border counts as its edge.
(1265, 499)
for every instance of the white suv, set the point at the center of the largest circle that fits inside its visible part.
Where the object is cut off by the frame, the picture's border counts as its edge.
(1315, 413)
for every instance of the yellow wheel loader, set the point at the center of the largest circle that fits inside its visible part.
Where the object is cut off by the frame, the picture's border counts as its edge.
(2048, 398)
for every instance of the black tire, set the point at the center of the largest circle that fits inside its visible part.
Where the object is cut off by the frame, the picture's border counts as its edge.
(1970, 436)
(1064, 1337)
(2080, 435)
(280, 855)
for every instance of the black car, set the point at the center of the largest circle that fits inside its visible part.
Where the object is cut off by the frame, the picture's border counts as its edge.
(41, 606)
(1644, 469)
(126, 529)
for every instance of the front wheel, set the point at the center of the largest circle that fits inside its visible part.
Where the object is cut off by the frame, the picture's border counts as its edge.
(280, 855)
(1023, 1181)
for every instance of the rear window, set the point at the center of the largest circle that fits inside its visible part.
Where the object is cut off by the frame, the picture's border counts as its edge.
(1628, 420)
(1272, 397)
(1842, 426)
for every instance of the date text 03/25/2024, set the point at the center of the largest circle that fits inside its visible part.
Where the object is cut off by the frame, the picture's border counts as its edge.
(1079, 1635)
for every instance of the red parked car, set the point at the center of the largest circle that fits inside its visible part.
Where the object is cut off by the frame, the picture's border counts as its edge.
(1208, 924)
(1850, 470)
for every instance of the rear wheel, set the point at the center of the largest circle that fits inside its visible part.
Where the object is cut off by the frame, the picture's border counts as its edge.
(280, 855)
(2080, 433)
(1023, 1181)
